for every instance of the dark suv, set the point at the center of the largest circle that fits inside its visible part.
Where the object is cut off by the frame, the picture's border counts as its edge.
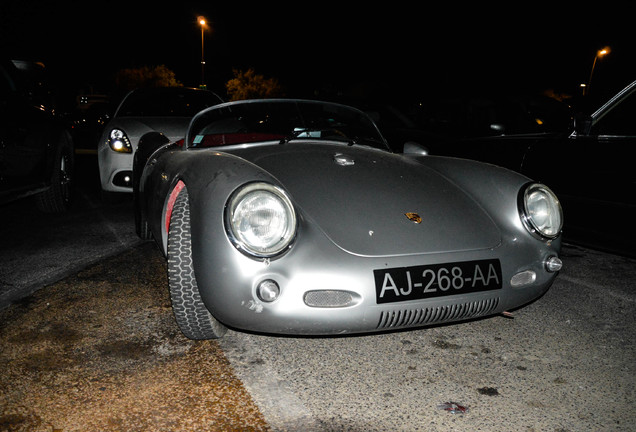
(36, 149)
(590, 167)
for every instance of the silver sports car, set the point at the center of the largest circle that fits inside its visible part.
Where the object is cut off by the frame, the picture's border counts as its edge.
(293, 217)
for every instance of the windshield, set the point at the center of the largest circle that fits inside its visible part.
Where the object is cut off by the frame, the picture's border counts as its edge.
(166, 102)
(282, 120)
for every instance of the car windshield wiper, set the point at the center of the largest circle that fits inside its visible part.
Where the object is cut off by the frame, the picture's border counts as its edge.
(319, 134)
(371, 142)
(291, 136)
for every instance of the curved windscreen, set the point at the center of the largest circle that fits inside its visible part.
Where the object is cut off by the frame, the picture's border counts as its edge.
(281, 120)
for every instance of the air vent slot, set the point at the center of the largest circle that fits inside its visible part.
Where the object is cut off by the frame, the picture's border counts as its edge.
(433, 315)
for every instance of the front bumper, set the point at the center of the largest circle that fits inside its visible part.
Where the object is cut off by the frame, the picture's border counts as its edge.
(335, 293)
(115, 170)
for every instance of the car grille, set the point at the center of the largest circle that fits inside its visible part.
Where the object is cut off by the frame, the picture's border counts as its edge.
(433, 315)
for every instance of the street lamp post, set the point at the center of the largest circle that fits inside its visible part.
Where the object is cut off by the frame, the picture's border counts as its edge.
(599, 54)
(203, 25)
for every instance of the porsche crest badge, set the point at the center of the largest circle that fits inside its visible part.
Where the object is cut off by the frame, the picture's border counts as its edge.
(414, 217)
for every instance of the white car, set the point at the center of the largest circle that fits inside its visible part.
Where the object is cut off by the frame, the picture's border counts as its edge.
(161, 110)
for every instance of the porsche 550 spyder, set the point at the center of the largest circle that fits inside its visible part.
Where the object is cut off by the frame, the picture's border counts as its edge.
(294, 217)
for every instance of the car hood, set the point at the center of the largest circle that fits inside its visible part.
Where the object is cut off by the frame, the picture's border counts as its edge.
(361, 198)
(135, 127)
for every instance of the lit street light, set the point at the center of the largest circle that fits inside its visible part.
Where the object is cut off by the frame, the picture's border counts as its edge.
(203, 24)
(599, 54)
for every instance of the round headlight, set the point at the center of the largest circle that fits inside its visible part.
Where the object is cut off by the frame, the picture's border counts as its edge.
(261, 220)
(542, 213)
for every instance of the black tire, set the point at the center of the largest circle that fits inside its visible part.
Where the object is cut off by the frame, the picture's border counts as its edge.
(141, 223)
(143, 230)
(148, 144)
(57, 198)
(193, 318)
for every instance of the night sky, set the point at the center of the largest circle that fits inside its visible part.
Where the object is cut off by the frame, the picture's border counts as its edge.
(324, 45)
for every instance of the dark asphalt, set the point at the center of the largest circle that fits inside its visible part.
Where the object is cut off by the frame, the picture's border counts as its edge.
(99, 351)
(38, 249)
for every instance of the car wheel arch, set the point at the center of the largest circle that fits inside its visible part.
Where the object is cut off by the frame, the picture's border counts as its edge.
(171, 199)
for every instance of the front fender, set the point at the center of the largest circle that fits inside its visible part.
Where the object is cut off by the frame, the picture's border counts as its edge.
(210, 177)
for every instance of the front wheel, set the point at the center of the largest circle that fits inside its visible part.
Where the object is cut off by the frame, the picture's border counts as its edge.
(57, 198)
(193, 318)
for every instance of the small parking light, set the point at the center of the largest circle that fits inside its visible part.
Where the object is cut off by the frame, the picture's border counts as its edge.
(553, 264)
(268, 290)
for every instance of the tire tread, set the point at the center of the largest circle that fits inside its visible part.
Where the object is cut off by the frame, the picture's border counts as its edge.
(193, 318)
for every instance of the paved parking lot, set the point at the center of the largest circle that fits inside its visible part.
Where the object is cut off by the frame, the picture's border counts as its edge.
(99, 350)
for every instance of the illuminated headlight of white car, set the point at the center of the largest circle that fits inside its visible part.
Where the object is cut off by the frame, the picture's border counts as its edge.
(260, 220)
(541, 211)
(119, 142)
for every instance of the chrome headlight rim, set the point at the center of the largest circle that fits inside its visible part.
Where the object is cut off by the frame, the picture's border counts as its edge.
(529, 196)
(235, 215)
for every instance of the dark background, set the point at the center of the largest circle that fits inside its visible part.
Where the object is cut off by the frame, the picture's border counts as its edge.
(394, 49)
